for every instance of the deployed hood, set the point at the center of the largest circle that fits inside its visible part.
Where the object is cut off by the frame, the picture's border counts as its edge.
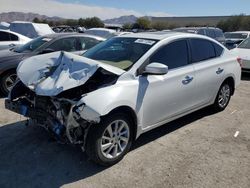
(53, 73)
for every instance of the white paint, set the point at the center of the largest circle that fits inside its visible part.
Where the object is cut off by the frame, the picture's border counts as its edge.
(233, 112)
(236, 134)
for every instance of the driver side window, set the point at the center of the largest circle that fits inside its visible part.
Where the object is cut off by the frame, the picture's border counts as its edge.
(65, 44)
(174, 55)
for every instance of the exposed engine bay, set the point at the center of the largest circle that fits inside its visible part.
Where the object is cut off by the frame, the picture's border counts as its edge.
(62, 115)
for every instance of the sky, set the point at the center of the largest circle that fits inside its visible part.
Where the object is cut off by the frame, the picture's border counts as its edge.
(106, 9)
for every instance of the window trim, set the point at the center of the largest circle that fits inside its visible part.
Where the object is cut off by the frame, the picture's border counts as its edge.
(146, 62)
(213, 44)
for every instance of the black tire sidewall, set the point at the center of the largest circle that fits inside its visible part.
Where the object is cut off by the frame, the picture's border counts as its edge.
(3, 89)
(93, 141)
(216, 104)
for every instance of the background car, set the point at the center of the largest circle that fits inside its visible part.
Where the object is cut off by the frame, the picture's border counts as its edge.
(212, 32)
(9, 39)
(101, 32)
(10, 58)
(124, 87)
(243, 52)
(235, 38)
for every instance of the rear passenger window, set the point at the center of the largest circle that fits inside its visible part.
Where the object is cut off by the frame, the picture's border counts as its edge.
(210, 33)
(173, 55)
(218, 49)
(4, 36)
(13, 37)
(218, 33)
(202, 50)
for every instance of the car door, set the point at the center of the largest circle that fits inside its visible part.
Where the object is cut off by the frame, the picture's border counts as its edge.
(85, 43)
(4, 40)
(169, 95)
(208, 67)
(64, 44)
(14, 40)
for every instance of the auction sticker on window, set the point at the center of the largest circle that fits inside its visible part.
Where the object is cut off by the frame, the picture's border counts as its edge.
(145, 41)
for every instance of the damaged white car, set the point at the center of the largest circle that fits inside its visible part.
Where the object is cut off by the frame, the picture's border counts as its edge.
(122, 88)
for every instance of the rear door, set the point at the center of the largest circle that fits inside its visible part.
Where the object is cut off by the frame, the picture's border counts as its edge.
(208, 67)
(4, 40)
(169, 95)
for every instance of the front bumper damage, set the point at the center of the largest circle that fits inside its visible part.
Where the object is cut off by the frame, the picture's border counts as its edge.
(66, 120)
(50, 93)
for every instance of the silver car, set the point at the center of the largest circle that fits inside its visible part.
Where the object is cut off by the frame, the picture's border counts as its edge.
(123, 88)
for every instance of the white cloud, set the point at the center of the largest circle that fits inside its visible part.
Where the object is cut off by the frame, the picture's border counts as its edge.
(159, 14)
(66, 10)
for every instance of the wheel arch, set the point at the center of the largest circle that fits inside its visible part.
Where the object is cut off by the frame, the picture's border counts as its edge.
(230, 80)
(131, 113)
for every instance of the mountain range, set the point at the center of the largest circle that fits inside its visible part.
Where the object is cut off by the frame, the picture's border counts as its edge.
(20, 16)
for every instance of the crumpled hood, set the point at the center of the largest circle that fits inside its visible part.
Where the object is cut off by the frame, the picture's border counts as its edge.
(53, 73)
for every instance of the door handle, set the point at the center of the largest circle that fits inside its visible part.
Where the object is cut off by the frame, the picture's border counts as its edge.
(187, 80)
(219, 71)
(12, 45)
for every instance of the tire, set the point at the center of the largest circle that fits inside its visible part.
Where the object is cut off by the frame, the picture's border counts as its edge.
(7, 80)
(223, 97)
(96, 140)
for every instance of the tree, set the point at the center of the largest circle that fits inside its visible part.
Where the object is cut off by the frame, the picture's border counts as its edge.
(159, 25)
(36, 20)
(127, 26)
(93, 22)
(143, 23)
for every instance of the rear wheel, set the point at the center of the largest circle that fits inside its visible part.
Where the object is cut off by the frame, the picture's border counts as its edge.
(7, 81)
(109, 141)
(223, 97)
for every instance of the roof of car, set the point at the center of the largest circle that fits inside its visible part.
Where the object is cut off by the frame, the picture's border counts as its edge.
(15, 33)
(157, 35)
(63, 35)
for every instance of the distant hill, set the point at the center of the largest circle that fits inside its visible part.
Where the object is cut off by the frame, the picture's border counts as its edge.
(20, 16)
(189, 21)
(121, 20)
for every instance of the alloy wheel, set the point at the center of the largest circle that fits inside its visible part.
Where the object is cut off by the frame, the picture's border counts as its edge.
(115, 139)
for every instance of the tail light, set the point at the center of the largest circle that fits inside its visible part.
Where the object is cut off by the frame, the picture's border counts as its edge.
(239, 61)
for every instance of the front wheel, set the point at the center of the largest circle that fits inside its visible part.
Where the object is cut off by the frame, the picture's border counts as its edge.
(109, 141)
(7, 81)
(223, 97)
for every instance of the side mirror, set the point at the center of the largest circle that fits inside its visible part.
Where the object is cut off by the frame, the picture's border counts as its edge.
(48, 50)
(156, 69)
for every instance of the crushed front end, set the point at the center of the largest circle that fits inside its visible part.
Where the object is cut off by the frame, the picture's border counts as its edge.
(62, 117)
(49, 93)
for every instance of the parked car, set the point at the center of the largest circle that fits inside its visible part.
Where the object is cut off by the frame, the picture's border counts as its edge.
(31, 30)
(235, 38)
(243, 52)
(122, 88)
(10, 58)
(212, 32)
(101, 32)
(9, 39)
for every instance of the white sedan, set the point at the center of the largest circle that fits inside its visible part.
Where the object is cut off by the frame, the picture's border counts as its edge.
(123, 88)
(243, 52)
(10, 39)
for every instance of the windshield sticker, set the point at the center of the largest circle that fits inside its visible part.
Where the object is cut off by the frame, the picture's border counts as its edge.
(144, 41)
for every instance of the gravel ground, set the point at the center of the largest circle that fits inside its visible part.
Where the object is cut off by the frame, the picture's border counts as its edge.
(199, 150)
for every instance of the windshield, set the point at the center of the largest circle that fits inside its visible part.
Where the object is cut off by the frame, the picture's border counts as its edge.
(245, 44)
(33, 45)
(185, 30)
(236, 35)
(120, 52)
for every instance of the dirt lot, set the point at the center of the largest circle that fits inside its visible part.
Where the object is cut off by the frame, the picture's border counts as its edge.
(199, 150)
